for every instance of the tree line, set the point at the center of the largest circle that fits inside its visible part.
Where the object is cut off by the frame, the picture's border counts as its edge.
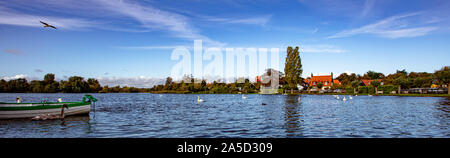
(190, 84)
(402, 79)
(74, 84)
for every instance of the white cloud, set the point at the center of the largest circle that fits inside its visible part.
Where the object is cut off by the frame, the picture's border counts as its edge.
(139, 82)
(14, 77)
(348, 72)
(393, 27)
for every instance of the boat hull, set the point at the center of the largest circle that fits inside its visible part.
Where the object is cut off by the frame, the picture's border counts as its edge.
(11, 112)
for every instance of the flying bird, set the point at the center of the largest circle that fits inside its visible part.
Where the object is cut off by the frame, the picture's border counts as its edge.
(48, 25)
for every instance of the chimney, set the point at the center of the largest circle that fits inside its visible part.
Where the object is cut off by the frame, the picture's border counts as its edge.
(332, 77)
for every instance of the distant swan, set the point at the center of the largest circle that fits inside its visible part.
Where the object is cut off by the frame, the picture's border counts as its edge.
(244, 97)
(345, 99)
(200, 100)
(350, 97)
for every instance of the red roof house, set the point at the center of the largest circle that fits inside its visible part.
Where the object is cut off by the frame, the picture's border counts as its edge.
(326, 80)
(367, 82)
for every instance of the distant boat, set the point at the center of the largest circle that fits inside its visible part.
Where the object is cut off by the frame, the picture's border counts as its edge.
(31, 110)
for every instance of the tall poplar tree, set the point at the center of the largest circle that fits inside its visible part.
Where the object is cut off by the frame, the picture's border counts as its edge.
(293, 68)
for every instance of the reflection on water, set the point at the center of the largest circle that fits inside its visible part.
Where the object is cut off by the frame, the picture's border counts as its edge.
(444, 104)
(227, 115)
(293, 116)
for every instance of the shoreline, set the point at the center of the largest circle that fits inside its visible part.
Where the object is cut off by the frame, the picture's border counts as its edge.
(352, 94)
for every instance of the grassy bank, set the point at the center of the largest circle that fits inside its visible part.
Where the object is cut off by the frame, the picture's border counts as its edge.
(361, 94)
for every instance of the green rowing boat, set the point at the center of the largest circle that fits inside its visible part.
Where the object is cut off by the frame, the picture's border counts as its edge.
(30, 110)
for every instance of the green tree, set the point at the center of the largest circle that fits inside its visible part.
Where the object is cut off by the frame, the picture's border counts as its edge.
(355, 85)
(320, 85)
(76, 84)
(94, 85)
(49, 78)
(168, 84)
(375, 84)
(18, 85)
(293, 68)
(3, 86)
(443, 77)
(373, 75)
(401, 82)
(37, 86)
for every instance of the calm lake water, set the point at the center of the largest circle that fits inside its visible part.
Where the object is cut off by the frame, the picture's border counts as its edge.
(226, 115)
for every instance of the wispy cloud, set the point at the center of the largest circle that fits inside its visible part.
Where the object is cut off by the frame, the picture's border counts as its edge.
(112, 12)
(397, 26)
(13, 51)
(38, 70)
(368, 5)
(261, 20)
(341, 8)
(154, 18)
(10, 17)
(321, 49)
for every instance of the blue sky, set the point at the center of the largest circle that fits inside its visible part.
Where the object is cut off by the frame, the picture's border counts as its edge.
(129, 42)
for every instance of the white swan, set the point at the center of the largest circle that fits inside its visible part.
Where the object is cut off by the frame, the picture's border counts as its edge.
(350, 97)
(200, 100)
(337, 98)
(244, 97)
(345, 99)
(59, 100)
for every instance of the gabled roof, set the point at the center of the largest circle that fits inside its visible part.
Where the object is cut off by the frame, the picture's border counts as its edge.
(367, 82)
(321, 78)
